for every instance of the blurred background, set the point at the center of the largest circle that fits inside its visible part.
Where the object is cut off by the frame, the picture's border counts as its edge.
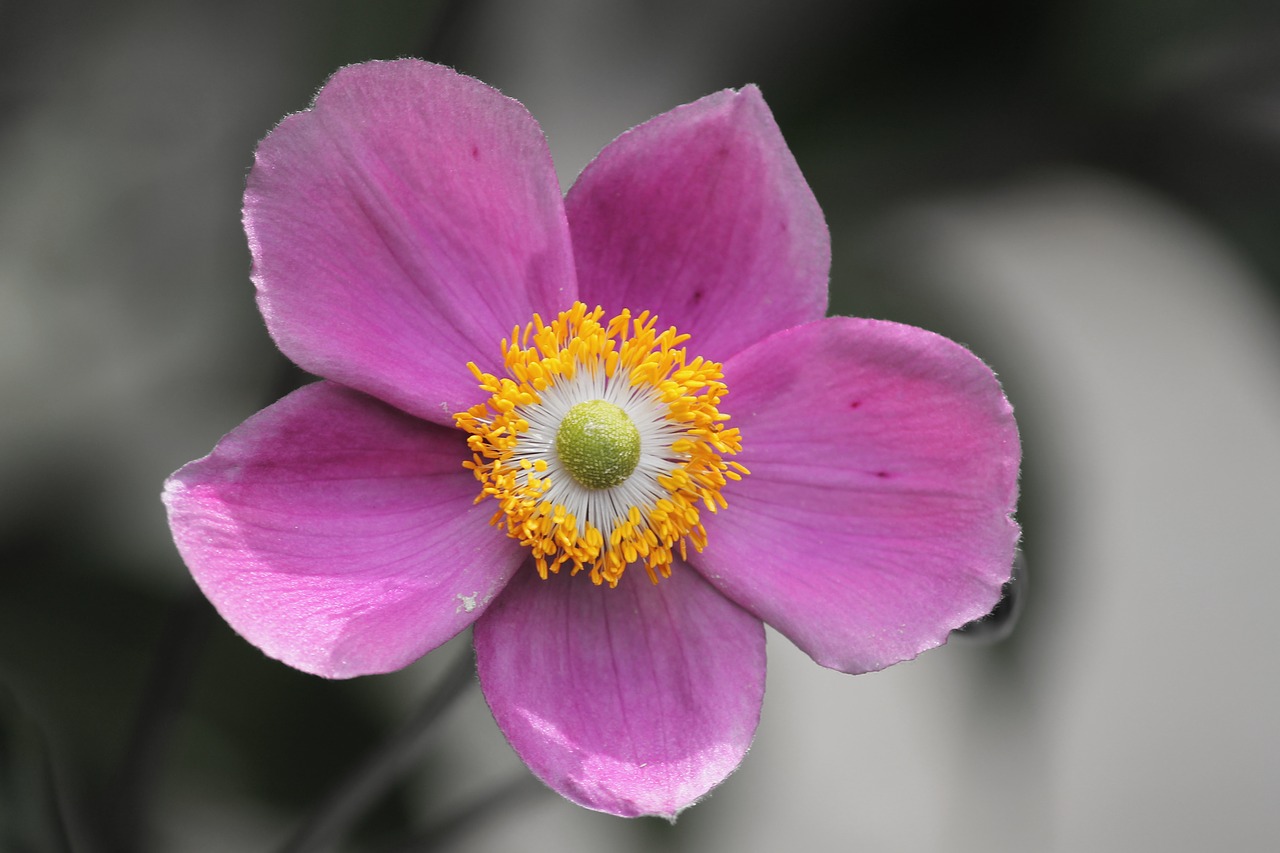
(1086, 192)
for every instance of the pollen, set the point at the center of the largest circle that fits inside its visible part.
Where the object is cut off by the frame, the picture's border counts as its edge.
(603, 444)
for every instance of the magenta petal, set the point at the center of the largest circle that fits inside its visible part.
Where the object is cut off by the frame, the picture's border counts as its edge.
(633, 701)
(701, 216)
(339, 535)
(884, 467)
(401, 227)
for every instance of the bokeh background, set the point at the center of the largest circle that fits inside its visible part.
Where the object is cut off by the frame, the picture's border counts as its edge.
(1087, 192)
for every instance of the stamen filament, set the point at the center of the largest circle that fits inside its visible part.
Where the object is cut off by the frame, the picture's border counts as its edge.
(601, 525)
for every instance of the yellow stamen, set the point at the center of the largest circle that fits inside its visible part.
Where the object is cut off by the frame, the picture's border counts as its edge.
(604, 525)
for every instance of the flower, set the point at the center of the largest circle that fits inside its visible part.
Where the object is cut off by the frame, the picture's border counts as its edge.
(528, 398)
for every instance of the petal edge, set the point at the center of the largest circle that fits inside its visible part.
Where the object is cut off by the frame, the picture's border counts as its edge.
(877, 515)
(338, 534)
(400, 227)
(632, 701)
(701, 216)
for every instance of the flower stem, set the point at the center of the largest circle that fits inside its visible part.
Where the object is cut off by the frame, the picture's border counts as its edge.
(515, 791)
(177, 652)
(346, 803)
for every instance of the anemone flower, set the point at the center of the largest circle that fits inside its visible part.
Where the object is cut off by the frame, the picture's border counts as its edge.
(612, 430)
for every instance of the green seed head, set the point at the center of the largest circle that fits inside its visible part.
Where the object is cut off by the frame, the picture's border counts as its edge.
(598, 444)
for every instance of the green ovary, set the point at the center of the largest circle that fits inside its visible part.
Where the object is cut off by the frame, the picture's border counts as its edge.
(598, 444)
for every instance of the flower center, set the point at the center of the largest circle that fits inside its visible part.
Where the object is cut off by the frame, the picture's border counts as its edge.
(602, 444)
(598, 444)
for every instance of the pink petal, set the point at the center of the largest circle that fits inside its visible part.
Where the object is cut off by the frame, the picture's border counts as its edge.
(876, 518)
(338, 534)
(701, 215)
(401, 227)
(635, 700)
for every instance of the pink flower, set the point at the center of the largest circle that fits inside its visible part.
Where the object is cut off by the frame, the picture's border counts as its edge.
(594, 517)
